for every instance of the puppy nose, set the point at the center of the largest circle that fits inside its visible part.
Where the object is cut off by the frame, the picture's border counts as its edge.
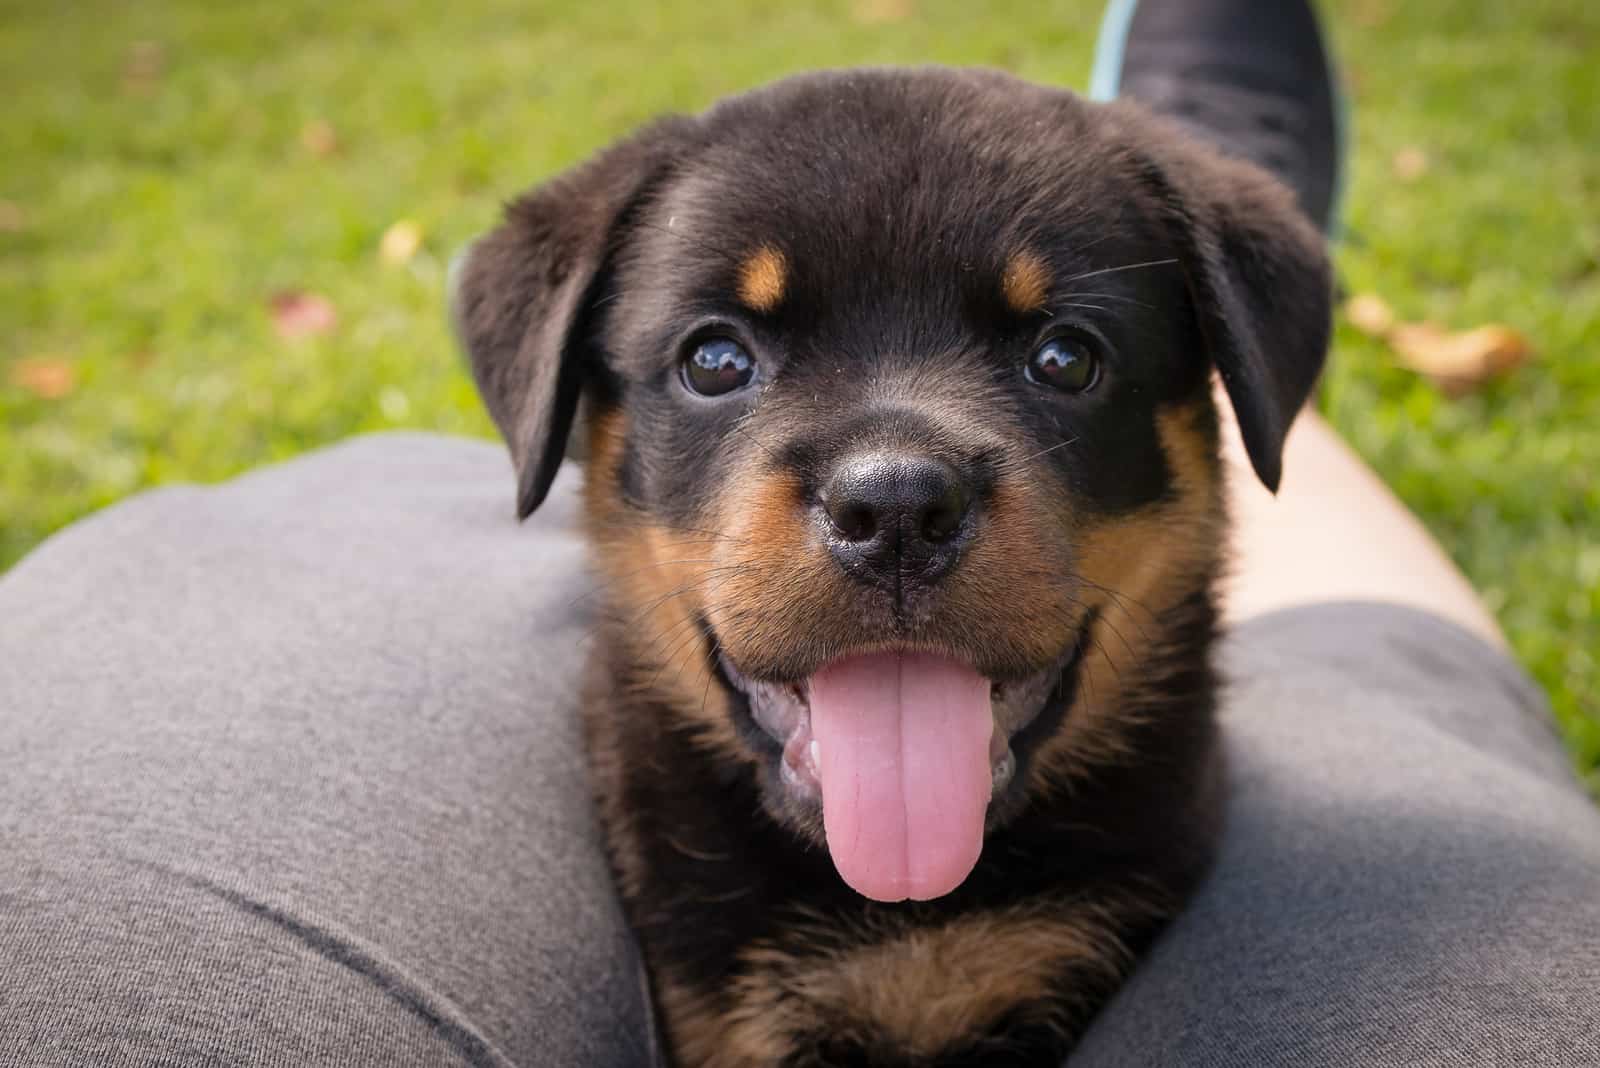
(895, 516)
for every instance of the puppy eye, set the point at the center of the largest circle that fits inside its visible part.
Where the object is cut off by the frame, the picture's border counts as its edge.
(1067, 363)
(718, 365)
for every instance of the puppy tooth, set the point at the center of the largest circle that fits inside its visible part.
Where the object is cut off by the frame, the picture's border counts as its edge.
(1003, 770)
(815, 749)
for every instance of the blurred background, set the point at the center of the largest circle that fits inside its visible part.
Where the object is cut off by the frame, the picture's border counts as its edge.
(224, 230)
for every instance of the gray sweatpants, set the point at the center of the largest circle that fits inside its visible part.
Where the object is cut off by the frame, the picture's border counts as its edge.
(289, 775)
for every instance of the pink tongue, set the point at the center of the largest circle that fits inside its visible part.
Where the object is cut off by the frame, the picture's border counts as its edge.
(905, 771)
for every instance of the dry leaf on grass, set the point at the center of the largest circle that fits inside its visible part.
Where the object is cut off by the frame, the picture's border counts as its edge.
(400, 242)
(296, 314)
(878, 12)
(44, 376)
(12, 218)
(1455, 361)
(1370, 314)
(142, 69)
(1410, 163)
(1369, 14)
(319, 138)
(1458, 362)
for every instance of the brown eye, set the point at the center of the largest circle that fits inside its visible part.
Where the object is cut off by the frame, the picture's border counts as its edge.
(1068, 363)
(718, 365)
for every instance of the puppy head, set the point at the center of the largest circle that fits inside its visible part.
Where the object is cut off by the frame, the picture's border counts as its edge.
(899, 395)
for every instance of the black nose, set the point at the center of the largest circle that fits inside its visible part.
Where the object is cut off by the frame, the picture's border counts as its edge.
(894, 517)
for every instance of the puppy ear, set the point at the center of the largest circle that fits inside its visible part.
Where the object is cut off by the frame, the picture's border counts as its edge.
(523, 306)
(1258, 276)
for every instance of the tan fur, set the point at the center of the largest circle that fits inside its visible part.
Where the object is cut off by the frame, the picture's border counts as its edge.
(657, 577)
(779, 586)
(1016, 572)
(700, 1033)
(1025, 282)
(763, 277)
(924, 988)
(661, 577)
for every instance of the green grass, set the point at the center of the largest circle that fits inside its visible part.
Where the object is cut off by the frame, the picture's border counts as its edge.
(149, 223)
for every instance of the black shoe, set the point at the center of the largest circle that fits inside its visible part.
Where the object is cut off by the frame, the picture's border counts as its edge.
(1250, 76)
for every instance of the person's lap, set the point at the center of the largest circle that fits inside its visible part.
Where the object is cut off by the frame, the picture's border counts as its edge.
(286, 776)
(289, 774)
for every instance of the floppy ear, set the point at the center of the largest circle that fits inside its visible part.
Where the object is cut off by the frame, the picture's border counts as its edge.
(522, 308)
(1258, 275)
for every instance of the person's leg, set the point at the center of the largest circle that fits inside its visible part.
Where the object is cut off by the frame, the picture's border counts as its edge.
(290, 775)
(1334, 532)
(1251, 77)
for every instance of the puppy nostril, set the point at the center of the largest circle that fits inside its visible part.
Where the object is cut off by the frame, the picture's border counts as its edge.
(943, 517)
(854, 521)
(940, 524)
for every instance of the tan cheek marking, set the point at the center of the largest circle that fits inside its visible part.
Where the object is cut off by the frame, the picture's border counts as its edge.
(1026, 282)
(1012, 582)
(656, 578)
(762, 279)
(1142, 567)
(778, 588)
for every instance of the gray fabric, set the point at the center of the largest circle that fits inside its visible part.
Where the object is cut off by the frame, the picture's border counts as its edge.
(289, 776)
(1410, 874)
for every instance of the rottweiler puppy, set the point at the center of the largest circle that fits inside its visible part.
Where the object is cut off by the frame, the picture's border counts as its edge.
(903, 486)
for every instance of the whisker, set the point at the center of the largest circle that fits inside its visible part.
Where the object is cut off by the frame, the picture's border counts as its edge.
(1045, 452)
(713, 534)
(1102, 239)
(1123, 600)
(642, 522)
(688, 543)
(705, 694)
(688, 587)
(740, 429)
(693, 854)
(611, 582)
(1113, 270)
(1111, 663)
(664, 647)
(1126, 645)
(1111, 296)
(684, 645)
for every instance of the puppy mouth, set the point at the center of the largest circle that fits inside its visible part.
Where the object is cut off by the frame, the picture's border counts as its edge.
(911, 756)
(783, 712)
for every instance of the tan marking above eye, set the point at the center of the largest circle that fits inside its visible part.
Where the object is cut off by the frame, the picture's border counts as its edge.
(762, 278)
(1026, 282)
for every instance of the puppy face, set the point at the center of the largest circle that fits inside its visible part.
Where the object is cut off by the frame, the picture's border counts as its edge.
(899, 400)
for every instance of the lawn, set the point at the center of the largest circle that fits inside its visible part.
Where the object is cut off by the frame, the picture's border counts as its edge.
(169, 168)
